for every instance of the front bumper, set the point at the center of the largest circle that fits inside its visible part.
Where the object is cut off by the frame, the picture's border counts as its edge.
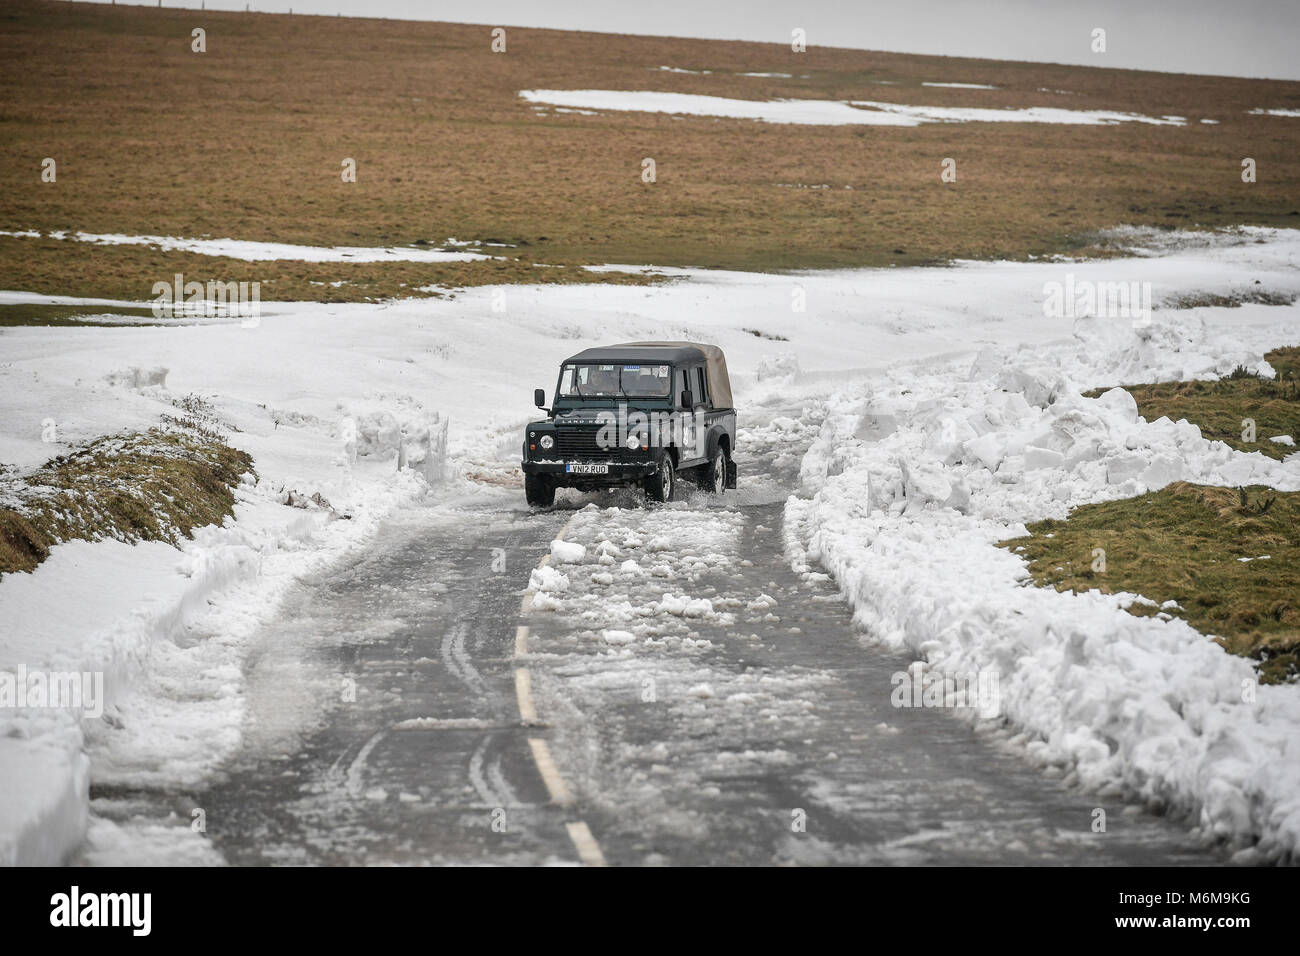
(620, 472)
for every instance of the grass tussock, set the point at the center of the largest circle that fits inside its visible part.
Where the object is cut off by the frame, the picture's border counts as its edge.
(157, 485)
(1235, 300)
(1221, 408)
(1186, 543)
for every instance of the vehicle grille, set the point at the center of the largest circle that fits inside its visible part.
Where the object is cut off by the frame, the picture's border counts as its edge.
(580, 443)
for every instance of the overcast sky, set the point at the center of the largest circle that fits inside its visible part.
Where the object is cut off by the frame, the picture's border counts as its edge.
(1227, 37)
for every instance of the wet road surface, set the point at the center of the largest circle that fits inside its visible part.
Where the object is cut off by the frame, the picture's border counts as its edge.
(702, 704)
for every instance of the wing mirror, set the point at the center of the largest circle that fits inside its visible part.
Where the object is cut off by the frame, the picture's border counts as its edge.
(539, 397)
(688, 400)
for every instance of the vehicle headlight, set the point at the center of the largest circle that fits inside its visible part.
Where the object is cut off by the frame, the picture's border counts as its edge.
(546, 441)
(634, 442)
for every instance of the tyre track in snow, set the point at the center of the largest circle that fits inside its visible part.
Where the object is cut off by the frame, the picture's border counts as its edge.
(769, 736)
(430, 763)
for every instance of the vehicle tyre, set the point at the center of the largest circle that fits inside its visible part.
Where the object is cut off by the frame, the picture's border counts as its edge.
(660, 487)
(539, 491)
(713, 476)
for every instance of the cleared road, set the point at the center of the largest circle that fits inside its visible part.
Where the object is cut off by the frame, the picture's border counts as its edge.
(696, 700)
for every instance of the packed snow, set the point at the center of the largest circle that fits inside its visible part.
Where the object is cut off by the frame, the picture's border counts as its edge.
(266, 251)
(351, 411)
(827, 112)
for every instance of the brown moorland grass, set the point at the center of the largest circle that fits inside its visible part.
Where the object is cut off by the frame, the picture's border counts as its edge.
(154, 486)
(246, 140)
(1186, 543)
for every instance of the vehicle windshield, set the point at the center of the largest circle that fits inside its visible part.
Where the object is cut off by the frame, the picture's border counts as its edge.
(615, 381)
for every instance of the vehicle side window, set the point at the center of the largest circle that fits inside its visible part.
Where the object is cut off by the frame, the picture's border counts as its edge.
(701, 392)
(683, 382)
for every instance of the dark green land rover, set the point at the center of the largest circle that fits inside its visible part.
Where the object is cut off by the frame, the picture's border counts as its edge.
(642, 413)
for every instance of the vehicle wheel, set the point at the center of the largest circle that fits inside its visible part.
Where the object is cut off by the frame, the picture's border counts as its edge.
(713, 476)
(660, 487)
(539, 491)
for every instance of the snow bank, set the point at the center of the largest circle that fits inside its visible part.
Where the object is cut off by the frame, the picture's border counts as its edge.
(127, 598)
(399, 431)
(44, 799)
(164, 629)
(127, 613)
(910, 484)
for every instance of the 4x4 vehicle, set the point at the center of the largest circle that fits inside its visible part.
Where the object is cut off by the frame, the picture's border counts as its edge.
(641, 413)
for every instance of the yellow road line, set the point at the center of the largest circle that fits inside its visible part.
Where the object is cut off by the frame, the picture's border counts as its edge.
(586, 845)
(555, 784)
(588, 849)
(524, 695)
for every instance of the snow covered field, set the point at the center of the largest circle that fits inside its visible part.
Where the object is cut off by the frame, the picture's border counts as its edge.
(940, 439)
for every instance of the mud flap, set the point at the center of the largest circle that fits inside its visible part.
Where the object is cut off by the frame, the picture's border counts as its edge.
(731, 474)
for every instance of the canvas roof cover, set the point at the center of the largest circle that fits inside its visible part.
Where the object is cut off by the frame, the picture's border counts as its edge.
(677, 352)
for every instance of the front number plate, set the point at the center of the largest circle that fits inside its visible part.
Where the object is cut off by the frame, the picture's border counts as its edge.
(579, 468)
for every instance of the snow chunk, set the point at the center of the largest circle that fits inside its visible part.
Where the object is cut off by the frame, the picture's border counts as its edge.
(547, 579)
(567, 552)
(1036, 458)
(1121, 402)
